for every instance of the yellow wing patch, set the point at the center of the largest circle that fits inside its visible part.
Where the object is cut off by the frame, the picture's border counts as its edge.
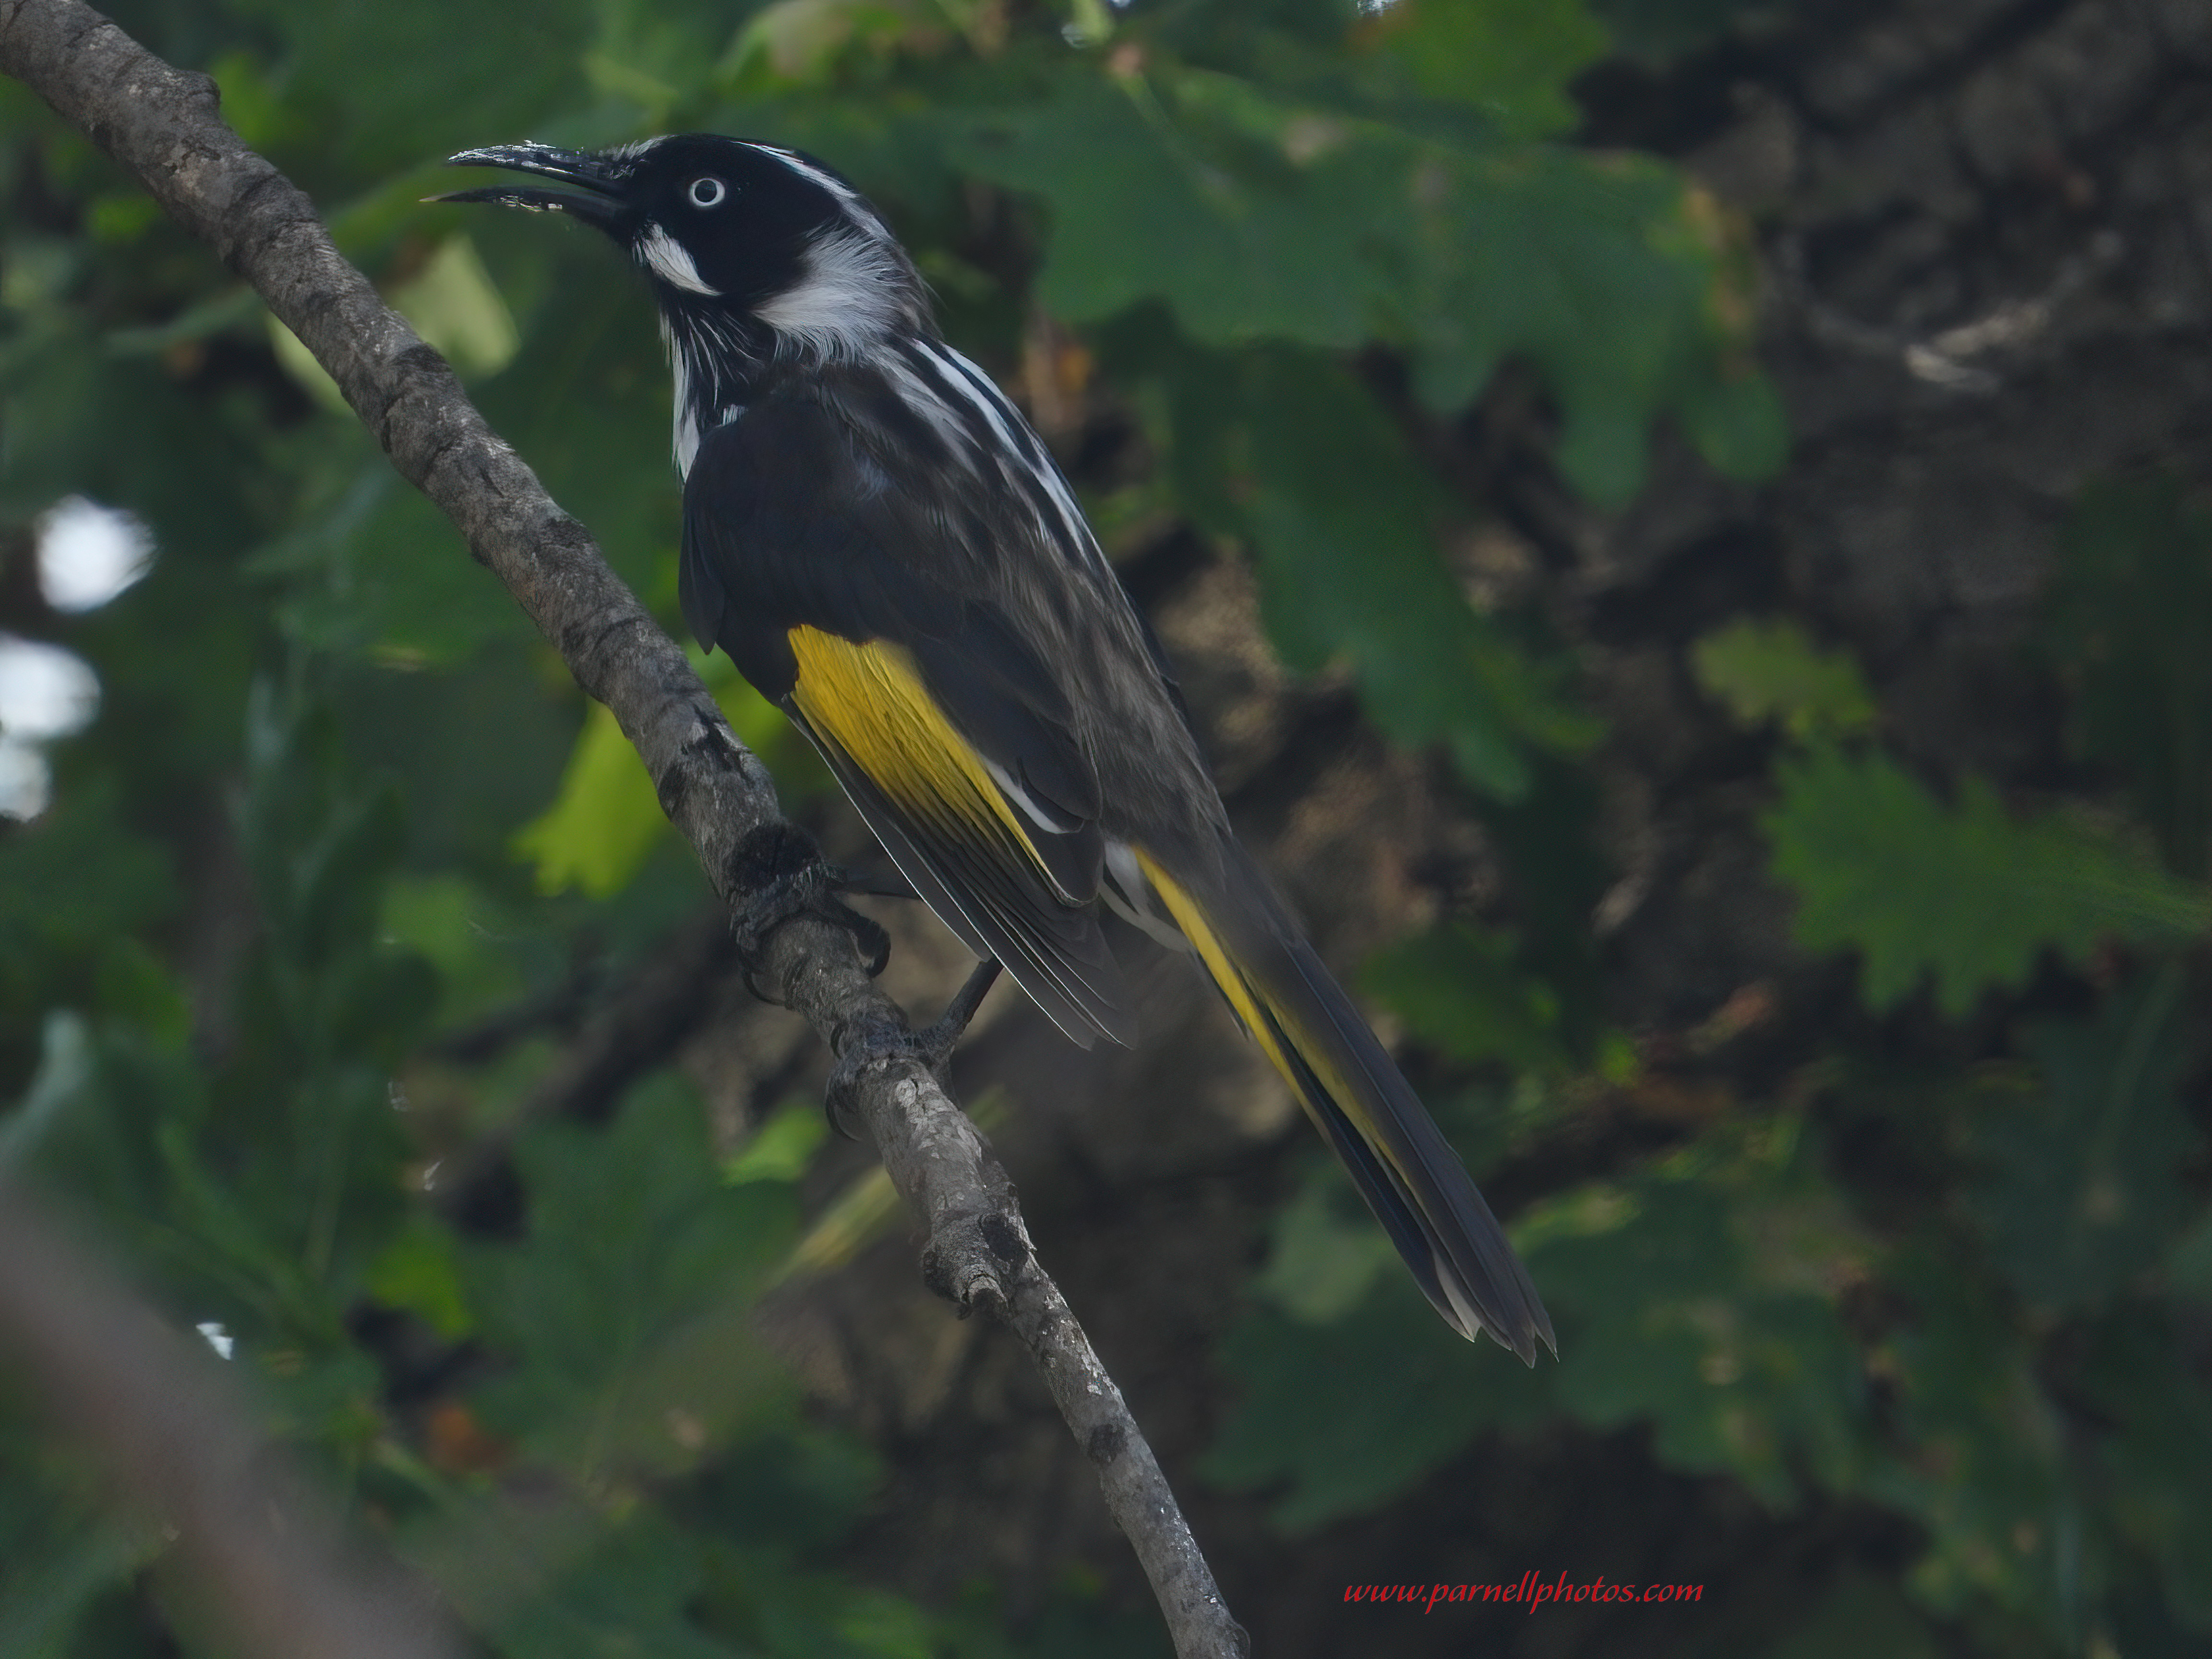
(869, 701)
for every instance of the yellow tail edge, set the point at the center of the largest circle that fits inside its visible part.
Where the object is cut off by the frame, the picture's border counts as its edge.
(1267, 1022)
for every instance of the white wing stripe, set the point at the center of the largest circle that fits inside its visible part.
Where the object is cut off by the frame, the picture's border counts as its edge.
(1025, 457)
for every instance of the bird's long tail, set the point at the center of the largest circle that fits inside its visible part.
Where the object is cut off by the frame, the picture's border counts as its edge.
(1368, 1113)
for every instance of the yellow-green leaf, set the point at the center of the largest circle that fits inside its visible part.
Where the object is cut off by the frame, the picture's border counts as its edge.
(1771, 671)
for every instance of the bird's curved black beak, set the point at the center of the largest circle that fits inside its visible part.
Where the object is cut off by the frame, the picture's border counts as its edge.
(601, 175)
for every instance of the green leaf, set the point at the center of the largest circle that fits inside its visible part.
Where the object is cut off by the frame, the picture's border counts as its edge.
(252, 104)
(52, 1583)
(1660, 29)
(2081, 1188)
(450, 922)
(1460, 988)
(758, 1597)
(604, 822)
(374, 567)
(454, 307)
(801, 42)
(627, 1310)
(1255, 217)
(439, 93)
(1343, 527)
(1702, 1297)
(1732, 413)
(325, 1397)
(606, 819)
(1289, 450)
(1318, 1415)
(1193, 187)
(628, 1598)
(418, 1273)
(2157, 1452)
(1772, 671)
(782, 1148)
(2124, 623)
(1982, 1447)
(79, 876)
(329, 904)
(1607, 275)
(64, 1078)
(1964, 891)
(806, 1487)
(1325, 1255)
(1512, 57)
(1698, 1296)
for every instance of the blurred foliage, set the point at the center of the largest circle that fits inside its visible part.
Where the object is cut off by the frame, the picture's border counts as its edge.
(1655, 30)
(1771, 671)
(606, 821)
(1964, 889)
(2122, 626)
(340, 810)
(1987, 1337)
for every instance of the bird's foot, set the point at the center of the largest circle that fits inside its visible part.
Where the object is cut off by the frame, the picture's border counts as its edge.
(789, 879)
(865, 1050)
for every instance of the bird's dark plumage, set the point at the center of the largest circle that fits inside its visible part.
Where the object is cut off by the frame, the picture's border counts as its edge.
(884, 548)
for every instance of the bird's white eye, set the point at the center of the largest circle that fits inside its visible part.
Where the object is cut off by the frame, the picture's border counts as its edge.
(708, 192)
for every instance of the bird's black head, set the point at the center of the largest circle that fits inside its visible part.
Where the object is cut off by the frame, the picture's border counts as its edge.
(725, 228)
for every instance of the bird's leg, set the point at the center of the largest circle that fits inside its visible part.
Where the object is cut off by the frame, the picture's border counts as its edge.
(788, 878)
(933, 1046)
(875, 883)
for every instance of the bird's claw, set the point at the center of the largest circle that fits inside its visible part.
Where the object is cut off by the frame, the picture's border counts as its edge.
(789, 879)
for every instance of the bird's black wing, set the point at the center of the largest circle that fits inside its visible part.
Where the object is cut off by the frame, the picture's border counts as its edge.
(850, 589)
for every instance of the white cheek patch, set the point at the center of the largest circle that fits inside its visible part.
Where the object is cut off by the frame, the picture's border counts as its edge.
(664, 256)
(844, 296)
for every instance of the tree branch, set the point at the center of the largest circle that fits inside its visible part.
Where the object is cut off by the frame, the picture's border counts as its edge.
(175, 1432)
(161, 123)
